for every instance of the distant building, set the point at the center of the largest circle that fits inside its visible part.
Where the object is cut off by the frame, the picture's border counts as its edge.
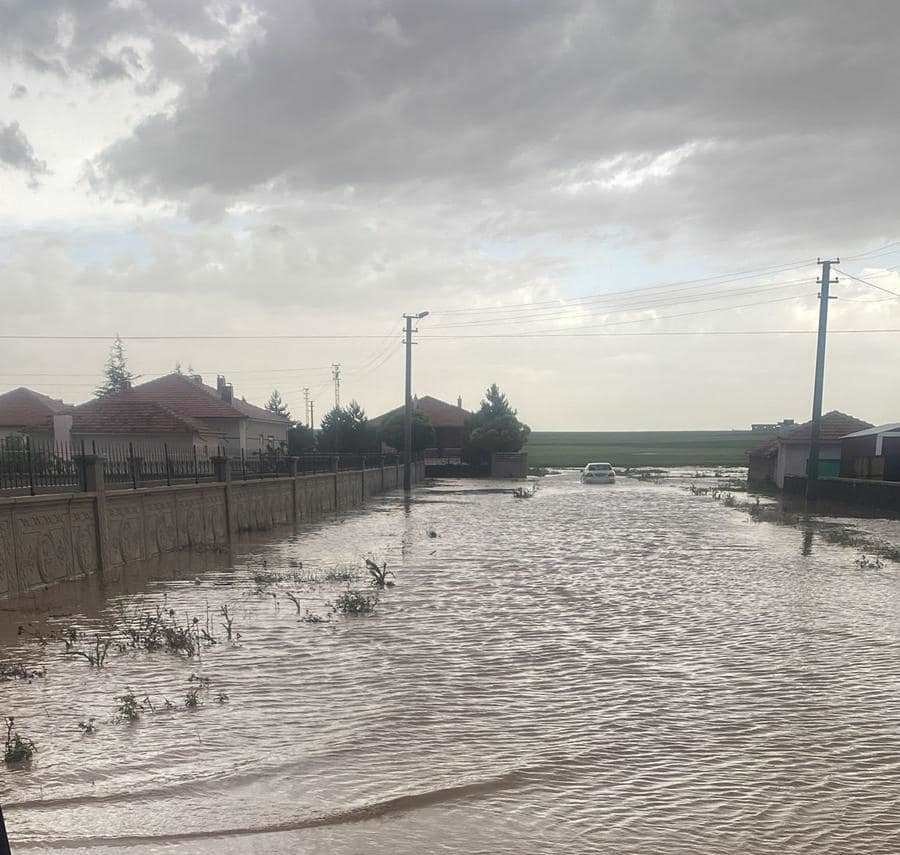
(873, 453)
(185, 410)
(765, 427)
(448, 421)
(25, 412)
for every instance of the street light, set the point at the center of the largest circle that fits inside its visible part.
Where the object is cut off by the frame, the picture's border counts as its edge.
(407, 410)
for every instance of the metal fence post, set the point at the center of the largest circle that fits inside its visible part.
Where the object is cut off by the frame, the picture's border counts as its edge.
(166, 455)
(196, 470)
(132, 465)
(30, 465)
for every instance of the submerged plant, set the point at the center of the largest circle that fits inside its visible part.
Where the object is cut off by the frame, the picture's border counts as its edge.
(17, 749)
(228, 626)
(17, 671)
(355, 602)
(379, 575)
(96, 653)
(128, 708)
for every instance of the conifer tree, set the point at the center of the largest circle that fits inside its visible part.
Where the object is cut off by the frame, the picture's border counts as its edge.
(117, 377)
(277, 406)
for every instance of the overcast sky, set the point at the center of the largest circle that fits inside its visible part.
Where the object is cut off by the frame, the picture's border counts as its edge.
(528, 169)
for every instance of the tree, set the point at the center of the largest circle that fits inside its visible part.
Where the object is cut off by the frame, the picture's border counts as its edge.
(346, 429)
(495, 427)
(422, 432)
(301, 440)
(117, 376)
(276, 406)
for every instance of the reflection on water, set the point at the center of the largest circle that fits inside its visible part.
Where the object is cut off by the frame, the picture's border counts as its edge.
(601, 669)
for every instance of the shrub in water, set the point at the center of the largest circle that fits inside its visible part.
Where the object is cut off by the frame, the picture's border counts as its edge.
(17, 749)
(128, 708)
(353, 602)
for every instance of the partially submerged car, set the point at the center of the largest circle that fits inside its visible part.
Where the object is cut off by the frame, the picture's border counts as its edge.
(598, 473)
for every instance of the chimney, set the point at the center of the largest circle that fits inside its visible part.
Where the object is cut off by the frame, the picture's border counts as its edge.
(126, 385)
(220, 385)
(228, 393)
(459, 402)
(196, 378)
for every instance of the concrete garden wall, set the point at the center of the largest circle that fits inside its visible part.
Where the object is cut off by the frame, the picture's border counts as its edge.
(54, 538)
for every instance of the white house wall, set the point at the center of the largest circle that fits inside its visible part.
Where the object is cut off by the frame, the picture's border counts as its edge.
(792, 458)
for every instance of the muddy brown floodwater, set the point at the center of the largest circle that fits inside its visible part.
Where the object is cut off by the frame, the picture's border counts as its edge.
(623, 669)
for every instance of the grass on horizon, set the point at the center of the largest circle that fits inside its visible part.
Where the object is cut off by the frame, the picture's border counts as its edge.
(641, 448)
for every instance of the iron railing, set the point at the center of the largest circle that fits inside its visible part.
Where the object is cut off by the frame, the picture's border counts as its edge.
(28, 466)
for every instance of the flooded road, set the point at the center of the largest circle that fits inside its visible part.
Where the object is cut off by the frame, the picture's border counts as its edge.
(624, 669)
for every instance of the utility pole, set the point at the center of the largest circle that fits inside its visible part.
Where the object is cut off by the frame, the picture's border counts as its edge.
(306, 416)
(312, 419)
(815, 431)
(336, 374)
(407, 410)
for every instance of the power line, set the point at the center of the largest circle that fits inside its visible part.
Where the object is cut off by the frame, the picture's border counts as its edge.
(640, 307)
(865, 282)
(651, 333)
(684, 284)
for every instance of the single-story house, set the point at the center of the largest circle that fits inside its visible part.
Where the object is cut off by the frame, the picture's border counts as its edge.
(24, 412)
(792, 448)
(128, 419)
(448, 420)
(198, 414)
(872, 453)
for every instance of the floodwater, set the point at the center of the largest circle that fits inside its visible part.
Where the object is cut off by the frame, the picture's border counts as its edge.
(621, 669)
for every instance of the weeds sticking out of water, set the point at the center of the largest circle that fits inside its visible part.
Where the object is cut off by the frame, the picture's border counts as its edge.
(222, 698)
(228, 626)
(379, 575)
(96, 652)
(88, 727)
(16, 749)
(18, 671)
(312, 617)
(128, 708)
(866, 563)
(192, 699)
(355, 602)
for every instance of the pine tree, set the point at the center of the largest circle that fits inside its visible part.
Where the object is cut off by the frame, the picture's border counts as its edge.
(495, 427)
(117, 377)
(277, 406)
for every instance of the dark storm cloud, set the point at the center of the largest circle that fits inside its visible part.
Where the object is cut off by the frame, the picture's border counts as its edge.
(499, 97)
(16, 152)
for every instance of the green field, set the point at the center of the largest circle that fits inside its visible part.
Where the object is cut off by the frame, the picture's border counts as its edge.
(641, 448)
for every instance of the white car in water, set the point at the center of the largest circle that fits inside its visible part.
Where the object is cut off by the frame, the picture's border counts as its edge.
(598, 473)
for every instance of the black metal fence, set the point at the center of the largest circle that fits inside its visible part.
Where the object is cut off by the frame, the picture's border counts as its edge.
(28, 466)
(34, 467)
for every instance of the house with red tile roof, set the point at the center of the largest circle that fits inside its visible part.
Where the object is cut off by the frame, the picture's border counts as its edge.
(181, 410)
(792, 448)
(28, 413)
(448, 420)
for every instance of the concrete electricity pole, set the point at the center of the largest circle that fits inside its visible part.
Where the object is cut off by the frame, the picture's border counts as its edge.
(407, 410)
(312, 418)
(306, 417)
(336, 374)
(815, 432)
